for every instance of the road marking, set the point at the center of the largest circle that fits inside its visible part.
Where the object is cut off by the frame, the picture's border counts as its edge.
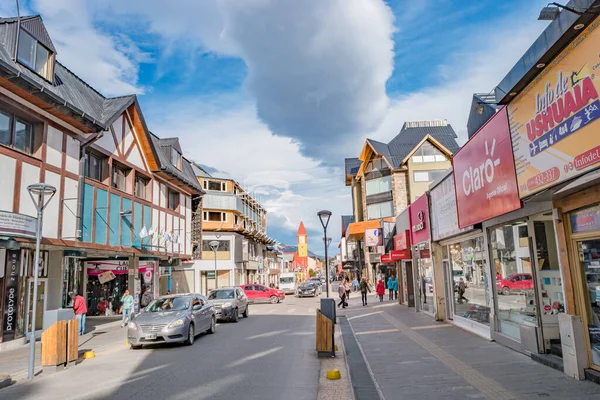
(365, 315)
(417, 328)
(489, 387)
(267, 334)
(380, 331)
(291, 310)
(254, 356)
(311, 310)
(385, 305)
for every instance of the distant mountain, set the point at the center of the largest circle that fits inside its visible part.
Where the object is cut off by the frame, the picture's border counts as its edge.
(294, 249)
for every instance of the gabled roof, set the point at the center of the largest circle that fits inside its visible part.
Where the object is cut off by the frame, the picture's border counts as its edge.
(68, 94)
(381, 149)
(171, 142)
(185, 176)
(301, 229)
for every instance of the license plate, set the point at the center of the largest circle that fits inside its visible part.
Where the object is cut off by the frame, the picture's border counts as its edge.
(150, 336)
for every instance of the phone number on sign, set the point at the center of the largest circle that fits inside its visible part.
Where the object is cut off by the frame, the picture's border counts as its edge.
(543, 178)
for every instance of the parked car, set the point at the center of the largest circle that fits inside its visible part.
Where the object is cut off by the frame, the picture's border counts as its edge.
(317, 281)
(308, 288)
(514, 283)
(263, 294)
(172, 318)
(229, 302)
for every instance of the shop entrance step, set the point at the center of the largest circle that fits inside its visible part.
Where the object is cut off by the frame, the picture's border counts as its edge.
(549, 360)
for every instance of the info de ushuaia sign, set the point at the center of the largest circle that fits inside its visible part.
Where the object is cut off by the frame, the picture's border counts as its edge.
(554, 120)
(484, 174)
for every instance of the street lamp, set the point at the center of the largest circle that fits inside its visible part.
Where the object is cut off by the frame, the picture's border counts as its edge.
(37, 192)
(214, 245)
(324, 216)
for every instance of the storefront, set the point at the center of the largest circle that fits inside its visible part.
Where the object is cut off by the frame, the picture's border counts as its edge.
(402, 256)
(467, 291)
(423, 272)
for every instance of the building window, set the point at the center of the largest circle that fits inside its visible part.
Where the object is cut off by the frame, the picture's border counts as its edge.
(141, 185)
(34, 55)
(428, 153)
(380, 210)
(119, 177)
(173, 200)
(224, 245)
(16, 133)
(379, 185)
(214, 185)
(429, 176)
(214, 216)
(176, 158)
(236, 220)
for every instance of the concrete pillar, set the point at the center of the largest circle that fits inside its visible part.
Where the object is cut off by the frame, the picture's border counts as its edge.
(439, 285)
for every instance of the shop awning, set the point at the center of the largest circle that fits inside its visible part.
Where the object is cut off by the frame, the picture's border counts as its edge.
(356, 230)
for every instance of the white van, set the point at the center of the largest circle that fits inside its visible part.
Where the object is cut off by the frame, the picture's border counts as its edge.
(287, 282)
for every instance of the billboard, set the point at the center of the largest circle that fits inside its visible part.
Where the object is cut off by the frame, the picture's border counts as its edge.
(444, 216)
(373, 237)
(484, 174)
(554, 119)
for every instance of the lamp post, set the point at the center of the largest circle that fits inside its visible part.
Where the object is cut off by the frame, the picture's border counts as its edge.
(214, 245)
(324, 216)
(38, 193)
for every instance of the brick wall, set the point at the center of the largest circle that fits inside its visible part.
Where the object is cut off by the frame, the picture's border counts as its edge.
(400, 191)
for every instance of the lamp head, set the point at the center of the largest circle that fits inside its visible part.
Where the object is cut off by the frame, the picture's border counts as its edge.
(324, 216)
(549, 13)
(41, 188)
(214, 245)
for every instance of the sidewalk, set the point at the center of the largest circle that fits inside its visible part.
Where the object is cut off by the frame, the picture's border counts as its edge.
(102, 334)
(411, 356)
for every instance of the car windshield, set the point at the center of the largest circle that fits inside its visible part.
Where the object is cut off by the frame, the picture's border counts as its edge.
(457, 272)
(307, 285)
(221, 294)
(178, 303)
(286, 280)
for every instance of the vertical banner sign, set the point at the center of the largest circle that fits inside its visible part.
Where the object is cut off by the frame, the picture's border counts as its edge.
(554, 120)
(484, 174)
(418, 213)
(11, 293)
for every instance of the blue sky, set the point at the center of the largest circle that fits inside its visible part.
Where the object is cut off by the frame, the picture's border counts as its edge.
(275, 93)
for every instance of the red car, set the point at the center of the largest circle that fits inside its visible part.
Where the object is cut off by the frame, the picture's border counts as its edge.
(514, 283)
(263, 294)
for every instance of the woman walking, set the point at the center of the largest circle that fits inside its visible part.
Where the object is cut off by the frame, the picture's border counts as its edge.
(390, 286)
(347, 288)
(364, 287)
(395, 286)
(342, 294)
(127, 307)
(380, 290)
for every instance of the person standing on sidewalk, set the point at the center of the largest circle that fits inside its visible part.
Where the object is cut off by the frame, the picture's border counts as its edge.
(342, 294)
(395, 286)
(380, 290)
(364, 287)
(390, 286)
(355, 284)
(347, 287)
(461, 291)
(80, 309)
(127, 306)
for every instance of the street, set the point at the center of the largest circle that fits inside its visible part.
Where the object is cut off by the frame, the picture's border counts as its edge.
(268, 355)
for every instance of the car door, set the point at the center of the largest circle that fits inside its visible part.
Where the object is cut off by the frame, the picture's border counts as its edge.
(206, 312)
(518, 282)
(262, 293)
(250, 293)
(197, 313)
(242, 299)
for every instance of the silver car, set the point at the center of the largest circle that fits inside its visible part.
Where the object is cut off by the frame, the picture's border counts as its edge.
(172, 318)
(229, 302)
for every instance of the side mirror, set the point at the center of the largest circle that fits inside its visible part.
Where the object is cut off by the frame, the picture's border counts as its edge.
(197, 306)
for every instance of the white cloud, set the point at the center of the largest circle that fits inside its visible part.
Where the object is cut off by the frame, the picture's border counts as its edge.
(109, 63)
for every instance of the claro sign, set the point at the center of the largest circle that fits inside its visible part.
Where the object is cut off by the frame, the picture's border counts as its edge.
(484, 174)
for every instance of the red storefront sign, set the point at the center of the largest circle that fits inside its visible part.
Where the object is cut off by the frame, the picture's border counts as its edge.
(418, 213)
(424, 253)
(386, 258)
(484, 174)
(402, 240)
(396, 255)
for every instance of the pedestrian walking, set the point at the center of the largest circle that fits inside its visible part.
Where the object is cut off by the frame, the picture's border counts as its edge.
(395, 286)
(80, 309)
(347, 288)
(461, 291)
(355, 285)
(147, 297)
(380, 290)
(342, 294)
(390, 286)
(364, 287)
(127, 307)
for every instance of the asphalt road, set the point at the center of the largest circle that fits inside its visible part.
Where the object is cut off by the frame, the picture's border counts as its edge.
(271, 354)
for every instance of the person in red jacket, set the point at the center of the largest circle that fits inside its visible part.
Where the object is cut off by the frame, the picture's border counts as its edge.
(80, 309)
(380, 290)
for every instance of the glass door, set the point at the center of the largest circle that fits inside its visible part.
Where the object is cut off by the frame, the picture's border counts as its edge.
(448, 279)
(589, 259)
(40, 306)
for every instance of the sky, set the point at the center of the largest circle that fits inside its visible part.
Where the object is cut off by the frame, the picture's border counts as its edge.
(276, 93)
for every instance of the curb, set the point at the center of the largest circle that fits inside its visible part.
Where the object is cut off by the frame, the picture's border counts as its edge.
(5, 380)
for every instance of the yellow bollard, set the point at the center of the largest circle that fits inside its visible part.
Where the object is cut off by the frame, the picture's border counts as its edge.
(89, 354)
(336, 347)
(333, 374)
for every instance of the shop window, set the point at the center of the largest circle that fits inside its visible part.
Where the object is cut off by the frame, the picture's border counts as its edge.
(589, 259)
(17, 133)
(173, 200)
(119, 177)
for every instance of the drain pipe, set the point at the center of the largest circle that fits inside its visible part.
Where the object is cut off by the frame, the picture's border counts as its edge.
(83, 162)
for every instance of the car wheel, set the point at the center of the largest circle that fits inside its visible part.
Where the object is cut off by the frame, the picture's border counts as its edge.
(505, 291)
(274, 300)
(245, 314)
(191, 335)
(236, 315)
(135, 346)
(213, 326)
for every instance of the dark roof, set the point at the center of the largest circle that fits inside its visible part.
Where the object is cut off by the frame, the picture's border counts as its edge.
(381, 148)
(352, 165)
(483, 107)
(199, 171)
(186, 175)
(412, 133)
(67, 90)
(346, 220)
(548, 45)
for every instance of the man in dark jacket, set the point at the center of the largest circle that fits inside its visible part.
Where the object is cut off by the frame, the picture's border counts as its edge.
(364, 287)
